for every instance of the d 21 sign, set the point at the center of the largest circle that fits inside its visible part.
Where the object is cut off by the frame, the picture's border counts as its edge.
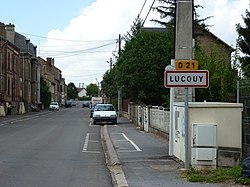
(185, 78)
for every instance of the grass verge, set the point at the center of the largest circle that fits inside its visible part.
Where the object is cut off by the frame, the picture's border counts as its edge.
(219, 175)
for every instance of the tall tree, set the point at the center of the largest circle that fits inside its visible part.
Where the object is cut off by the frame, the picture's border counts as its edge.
(222, 76)
(141, 65)
(108, 84)
(45, 93)
(92, 90)
(72, 91)
(244, 44)
(167, 11)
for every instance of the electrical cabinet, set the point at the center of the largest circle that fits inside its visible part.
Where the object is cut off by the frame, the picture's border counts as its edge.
(204, 145)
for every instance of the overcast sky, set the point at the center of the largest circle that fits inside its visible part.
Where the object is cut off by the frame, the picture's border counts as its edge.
(81, 35)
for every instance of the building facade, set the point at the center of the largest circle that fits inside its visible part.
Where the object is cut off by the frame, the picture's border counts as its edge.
(20, 73)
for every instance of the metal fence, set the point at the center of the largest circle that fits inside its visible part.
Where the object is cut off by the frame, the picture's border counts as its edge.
(244, 96)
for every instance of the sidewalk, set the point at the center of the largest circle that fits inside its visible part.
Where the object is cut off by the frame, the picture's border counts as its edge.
(135, 158)
(16, 117)
(140, 159)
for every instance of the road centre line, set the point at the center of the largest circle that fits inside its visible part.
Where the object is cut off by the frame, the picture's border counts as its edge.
(135, 146)
(86, 143)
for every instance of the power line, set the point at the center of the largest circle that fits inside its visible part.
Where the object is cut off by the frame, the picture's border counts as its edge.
(142, 8)
(66, 39)
(61, 54)
(148, 12)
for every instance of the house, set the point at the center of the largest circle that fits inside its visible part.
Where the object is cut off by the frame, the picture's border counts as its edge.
(210, 43)
(81, 92)
(9, 75)
(53, 76)
(27, 72)
(20, 72)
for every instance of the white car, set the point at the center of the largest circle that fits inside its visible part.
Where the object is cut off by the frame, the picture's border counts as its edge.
(104, 113)
(54, 106)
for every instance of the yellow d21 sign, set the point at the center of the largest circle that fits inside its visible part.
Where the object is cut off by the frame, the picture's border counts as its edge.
(186, 65)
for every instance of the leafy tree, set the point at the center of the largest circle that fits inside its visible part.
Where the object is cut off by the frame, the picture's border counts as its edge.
(134, 29)
(141, 65)
(45, 93)
(109, 85)
(222, 76)
(244, 44)
(92, 90)
(167, 11)
(71, 91)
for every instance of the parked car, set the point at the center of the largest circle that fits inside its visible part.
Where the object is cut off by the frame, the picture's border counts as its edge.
(54, 106)
(68, 104)
(85, 104)
(104, 113)
(92, 109)
(73, 103)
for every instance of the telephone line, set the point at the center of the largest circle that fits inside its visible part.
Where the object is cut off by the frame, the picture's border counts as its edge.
(66, 39)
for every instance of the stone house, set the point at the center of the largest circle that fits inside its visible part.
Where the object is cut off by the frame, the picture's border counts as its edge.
(210, 43)
(20, 72)
(9, 75)
(53, 76)
(29, 72)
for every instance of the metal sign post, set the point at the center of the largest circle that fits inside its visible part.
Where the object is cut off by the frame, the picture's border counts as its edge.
(185, 79)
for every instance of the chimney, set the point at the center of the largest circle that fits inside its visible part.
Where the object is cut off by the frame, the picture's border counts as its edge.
(10, 32)
(2, 29)
(50, 61)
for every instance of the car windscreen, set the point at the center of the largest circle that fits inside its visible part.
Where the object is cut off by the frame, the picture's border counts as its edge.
(104, 108)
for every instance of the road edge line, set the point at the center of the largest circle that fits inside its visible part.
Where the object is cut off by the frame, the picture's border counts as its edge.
(113, 163)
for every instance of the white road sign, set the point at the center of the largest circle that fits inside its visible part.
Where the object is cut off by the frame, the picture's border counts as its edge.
(186, 78)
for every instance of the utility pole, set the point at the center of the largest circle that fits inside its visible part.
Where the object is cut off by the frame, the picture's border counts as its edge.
(184, 50)
(119, 89)
(110, 64)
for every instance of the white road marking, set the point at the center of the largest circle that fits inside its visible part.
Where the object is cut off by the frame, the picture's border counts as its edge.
(127, 151)
(135, 146)
(97, 152)
(85, 146)
(86, 143)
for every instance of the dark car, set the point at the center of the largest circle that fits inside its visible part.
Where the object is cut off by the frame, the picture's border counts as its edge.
(68, 104)
(85, 104)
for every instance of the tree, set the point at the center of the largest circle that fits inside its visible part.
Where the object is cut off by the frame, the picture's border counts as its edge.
(141, 65)
(45, 93)
(72, 91)
(109, 84)
(167, 11)
(244, 44)
(92, 90)
(134, 29)
(222, 76)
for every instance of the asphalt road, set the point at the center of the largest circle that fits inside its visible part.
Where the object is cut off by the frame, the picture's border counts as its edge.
(53, 150)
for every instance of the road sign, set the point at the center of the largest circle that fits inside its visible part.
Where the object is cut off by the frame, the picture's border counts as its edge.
(186, 65)
(186, 78)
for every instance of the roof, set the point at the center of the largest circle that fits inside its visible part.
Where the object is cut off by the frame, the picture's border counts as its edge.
(25, 45)
(154, 29)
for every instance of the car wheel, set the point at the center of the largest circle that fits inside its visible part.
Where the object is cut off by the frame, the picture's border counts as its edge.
(94, 122)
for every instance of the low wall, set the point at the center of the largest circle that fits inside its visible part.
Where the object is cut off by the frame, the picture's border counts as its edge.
(2, 111)
(153, 119)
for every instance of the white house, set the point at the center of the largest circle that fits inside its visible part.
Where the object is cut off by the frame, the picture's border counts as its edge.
(81, 92)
